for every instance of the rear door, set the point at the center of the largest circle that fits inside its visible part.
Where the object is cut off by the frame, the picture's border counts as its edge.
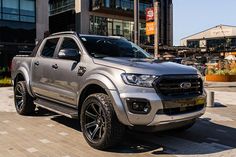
(43, 68)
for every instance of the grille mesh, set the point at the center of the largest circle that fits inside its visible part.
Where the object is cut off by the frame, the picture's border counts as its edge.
(171, 85)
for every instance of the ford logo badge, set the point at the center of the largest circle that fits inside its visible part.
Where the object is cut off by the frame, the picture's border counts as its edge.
(185, 85)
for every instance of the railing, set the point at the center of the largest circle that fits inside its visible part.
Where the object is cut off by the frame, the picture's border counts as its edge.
(61, 6)
(122, 5)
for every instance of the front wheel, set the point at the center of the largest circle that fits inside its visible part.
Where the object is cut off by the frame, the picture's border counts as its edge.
(99, 123)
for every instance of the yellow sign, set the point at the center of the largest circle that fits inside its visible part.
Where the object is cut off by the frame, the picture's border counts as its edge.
(150, 28)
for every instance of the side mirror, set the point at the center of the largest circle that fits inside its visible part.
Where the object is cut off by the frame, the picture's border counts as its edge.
(70, 54)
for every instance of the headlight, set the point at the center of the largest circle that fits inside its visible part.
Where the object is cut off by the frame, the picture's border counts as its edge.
(139, 79)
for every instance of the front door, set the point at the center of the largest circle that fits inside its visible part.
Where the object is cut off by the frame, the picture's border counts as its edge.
(66, 78)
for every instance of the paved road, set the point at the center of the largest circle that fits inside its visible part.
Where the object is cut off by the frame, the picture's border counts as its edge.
(48, 134)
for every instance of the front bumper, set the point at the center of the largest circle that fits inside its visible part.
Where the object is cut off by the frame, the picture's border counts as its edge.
(154, 118)
(166, 119)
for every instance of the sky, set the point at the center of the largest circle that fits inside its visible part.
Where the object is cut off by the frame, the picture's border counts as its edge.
(193, 16)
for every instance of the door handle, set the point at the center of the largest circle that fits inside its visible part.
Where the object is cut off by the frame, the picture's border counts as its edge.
(55, 66)
(36, 63)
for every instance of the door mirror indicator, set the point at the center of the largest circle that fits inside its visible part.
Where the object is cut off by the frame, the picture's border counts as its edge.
(69, 54)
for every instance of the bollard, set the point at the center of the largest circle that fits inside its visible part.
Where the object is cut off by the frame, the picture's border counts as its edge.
(210, 98)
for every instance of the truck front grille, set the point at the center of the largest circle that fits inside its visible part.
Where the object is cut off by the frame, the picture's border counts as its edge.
(179, 85)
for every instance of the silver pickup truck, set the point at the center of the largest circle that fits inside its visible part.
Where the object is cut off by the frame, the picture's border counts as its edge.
(109, 84)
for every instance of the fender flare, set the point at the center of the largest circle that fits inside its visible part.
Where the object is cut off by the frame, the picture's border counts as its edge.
(111, 90)
(25, 74)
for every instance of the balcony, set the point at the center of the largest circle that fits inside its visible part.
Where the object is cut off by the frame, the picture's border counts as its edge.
(59, 6)
(120, 7)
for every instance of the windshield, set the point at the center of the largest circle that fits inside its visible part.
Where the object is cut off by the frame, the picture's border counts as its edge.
(100, 47)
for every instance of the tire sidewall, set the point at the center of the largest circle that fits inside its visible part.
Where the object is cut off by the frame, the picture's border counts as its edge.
(20, 85)
(28, 106)
(87, 102)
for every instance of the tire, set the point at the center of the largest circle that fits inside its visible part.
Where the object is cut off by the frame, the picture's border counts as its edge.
(100, 126)
(23, 101)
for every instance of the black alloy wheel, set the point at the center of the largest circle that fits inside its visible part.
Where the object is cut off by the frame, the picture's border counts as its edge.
(23, 101)
(95, 122)
(19, 101)
(100, 126)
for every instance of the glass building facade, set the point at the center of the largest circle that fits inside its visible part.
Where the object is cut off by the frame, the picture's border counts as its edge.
(125, 5)
(108, 27)
(17, 30)
(62, 15)
(17, 10)
(221, 44)
(109, 17)
(193, 43)
(214, 44)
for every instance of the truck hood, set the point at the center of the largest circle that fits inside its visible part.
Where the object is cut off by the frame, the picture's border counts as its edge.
(146, 66)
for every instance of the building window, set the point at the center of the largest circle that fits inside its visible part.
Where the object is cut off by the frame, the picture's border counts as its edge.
(233, 42)
(18, 10)
(216, 44)
(125, 5)
(193, 44)
(58, 6)
(118, 4)
(107, 26)
(98, 25)
(10, 9)
(127, 29)
(118, 27)
(27, 10)
(143, 37)
(0, 10)
(107, 3)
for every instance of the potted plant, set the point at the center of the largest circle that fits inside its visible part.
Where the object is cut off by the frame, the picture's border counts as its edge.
(222, 73)
(5, 82)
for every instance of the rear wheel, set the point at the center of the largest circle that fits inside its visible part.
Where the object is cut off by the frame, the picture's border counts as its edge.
(23, 101)
(99, 123)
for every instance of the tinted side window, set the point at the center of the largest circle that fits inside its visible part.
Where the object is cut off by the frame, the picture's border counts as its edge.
(49, 48)
(69, 43)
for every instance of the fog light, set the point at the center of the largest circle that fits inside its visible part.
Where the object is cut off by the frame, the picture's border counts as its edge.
(135, 106)
(138, 106)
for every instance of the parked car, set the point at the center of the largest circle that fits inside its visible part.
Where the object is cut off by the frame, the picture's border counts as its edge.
(109, 84)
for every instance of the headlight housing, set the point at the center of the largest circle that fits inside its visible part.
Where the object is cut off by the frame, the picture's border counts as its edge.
(141, 80)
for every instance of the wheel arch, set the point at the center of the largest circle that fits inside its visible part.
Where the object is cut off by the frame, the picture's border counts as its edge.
(22, 75)
(103, 85)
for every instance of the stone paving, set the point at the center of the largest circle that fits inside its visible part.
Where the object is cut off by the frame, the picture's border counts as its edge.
(50, 135)
(6, 100)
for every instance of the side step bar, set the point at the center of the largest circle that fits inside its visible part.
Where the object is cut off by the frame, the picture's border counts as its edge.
(57, 108)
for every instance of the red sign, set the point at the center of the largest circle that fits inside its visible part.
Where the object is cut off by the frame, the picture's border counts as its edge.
(150, 14)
